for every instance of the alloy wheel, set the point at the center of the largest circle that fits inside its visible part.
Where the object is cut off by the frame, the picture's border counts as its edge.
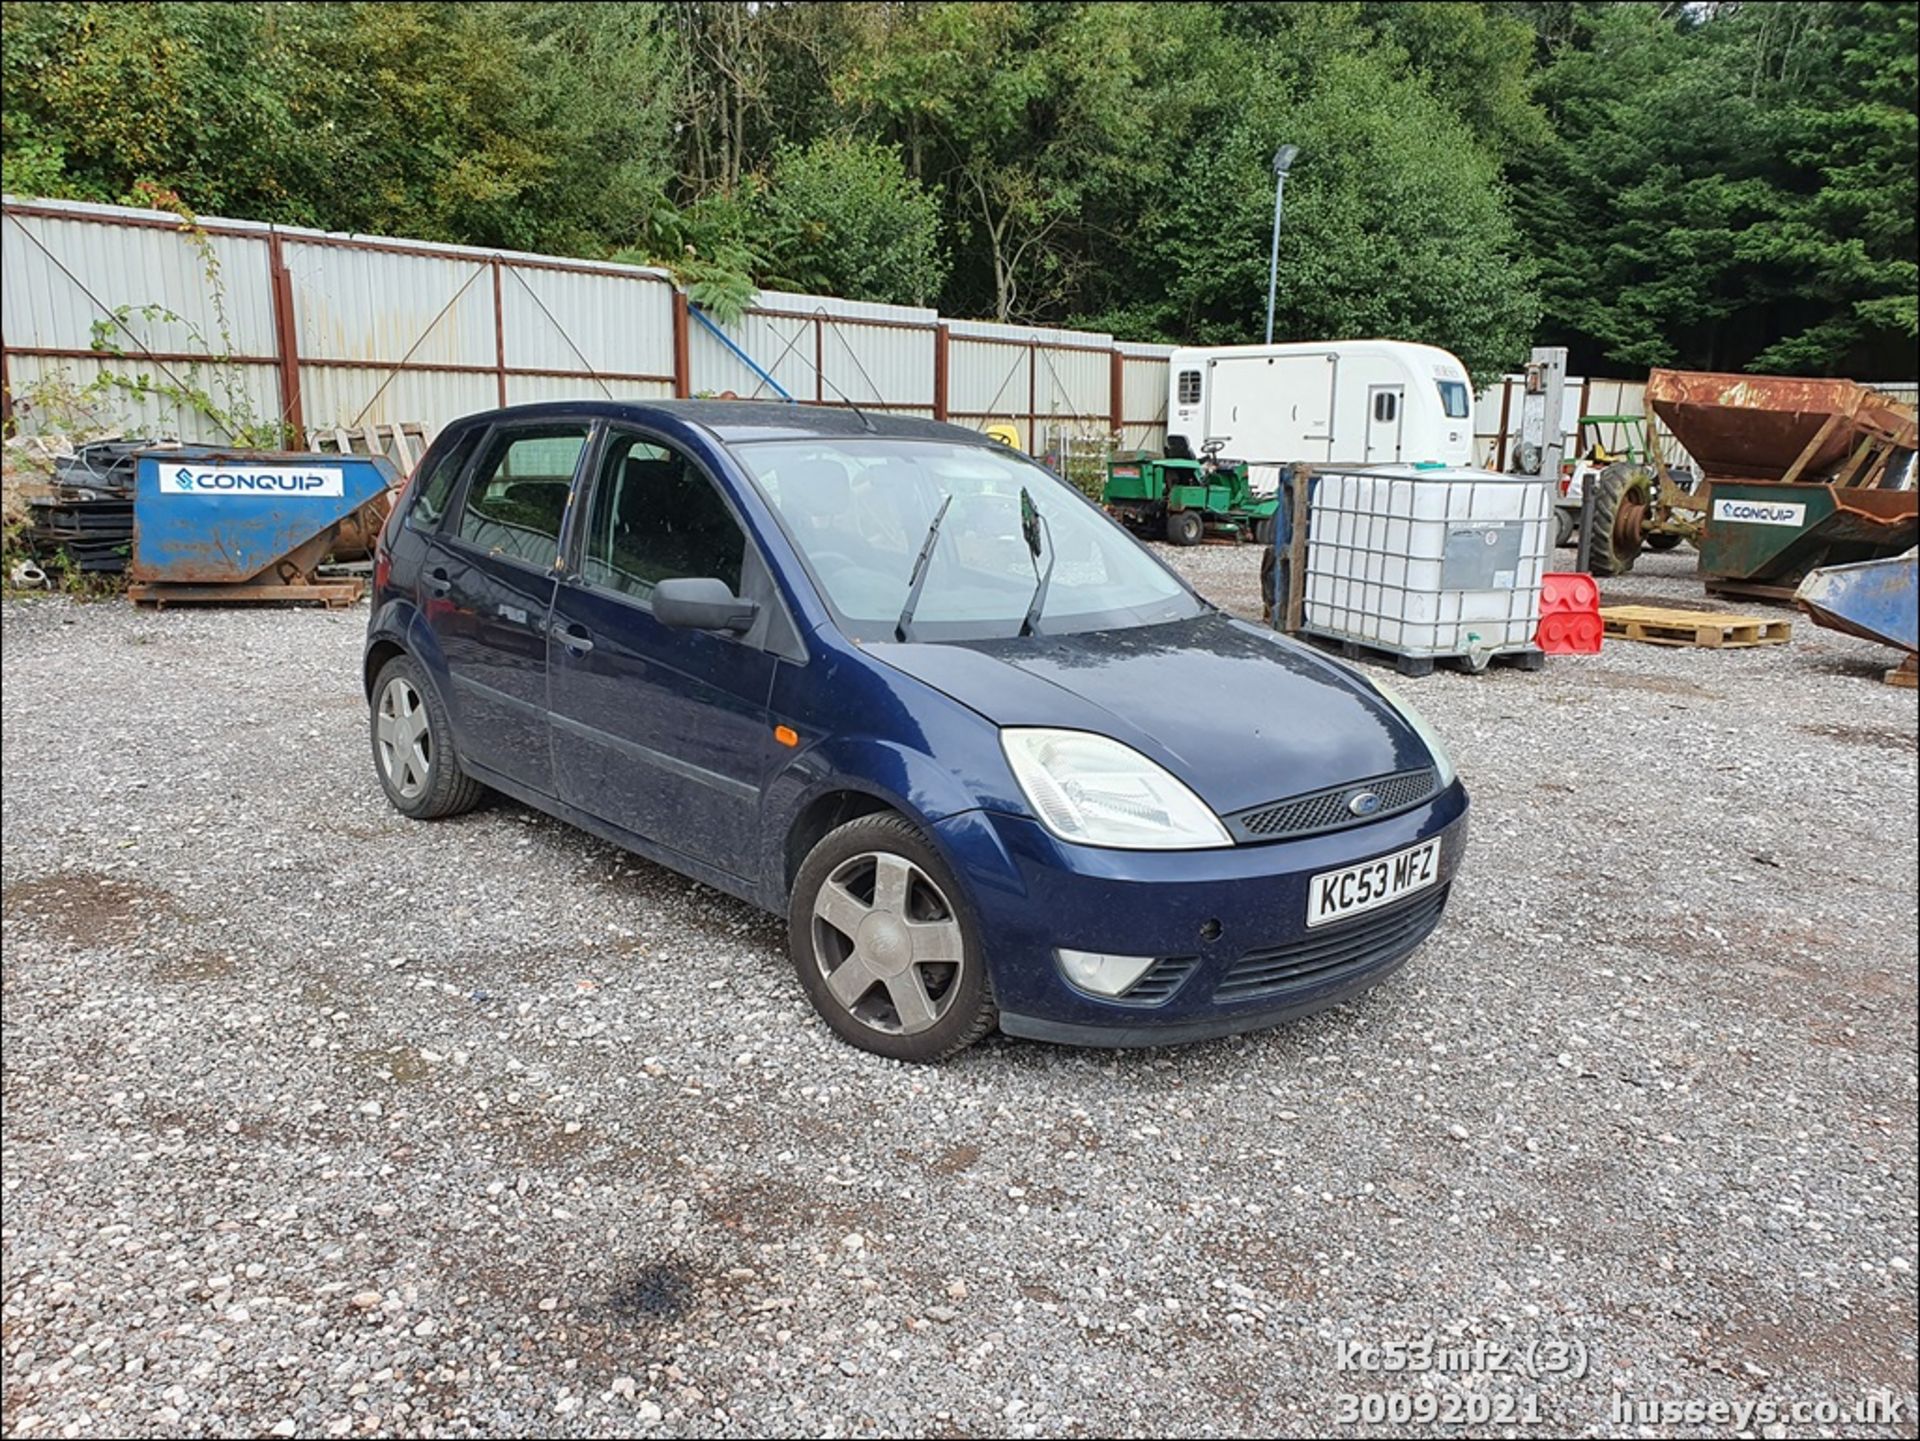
(406, 742)
(887, 943)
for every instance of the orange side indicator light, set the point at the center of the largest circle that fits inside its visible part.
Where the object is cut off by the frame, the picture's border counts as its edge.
(786, 735)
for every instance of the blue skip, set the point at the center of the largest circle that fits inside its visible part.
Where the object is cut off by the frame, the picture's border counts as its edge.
(250, 525)
(1875, 599)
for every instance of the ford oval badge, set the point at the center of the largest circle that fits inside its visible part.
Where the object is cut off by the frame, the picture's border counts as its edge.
(1363, 803)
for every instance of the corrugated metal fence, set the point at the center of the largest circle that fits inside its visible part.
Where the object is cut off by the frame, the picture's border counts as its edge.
(322, 330)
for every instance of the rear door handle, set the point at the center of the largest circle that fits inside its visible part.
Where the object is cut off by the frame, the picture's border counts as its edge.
(438, 581)
(576, 639)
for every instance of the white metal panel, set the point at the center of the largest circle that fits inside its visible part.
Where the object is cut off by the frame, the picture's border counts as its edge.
(146, 413)
(880, 363)
(136, 266)
(1143, 390)
(1024, 334)
(346, 395)
(1143, 396)
(378, 305)
(987, 378)
(620, 325)
(1074, 384)
(844, 309)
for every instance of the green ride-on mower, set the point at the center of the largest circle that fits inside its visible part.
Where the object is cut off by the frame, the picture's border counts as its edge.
(1185, 500)
(1638, 500)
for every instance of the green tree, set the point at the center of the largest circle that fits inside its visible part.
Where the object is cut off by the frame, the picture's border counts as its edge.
(843, 217)
(192, 96)
(1396, 223)
(1477, 61)
(1730, 189)
(1028, 114)
(539, 127)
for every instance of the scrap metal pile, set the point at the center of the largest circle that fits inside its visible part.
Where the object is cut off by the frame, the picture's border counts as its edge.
(85, 520)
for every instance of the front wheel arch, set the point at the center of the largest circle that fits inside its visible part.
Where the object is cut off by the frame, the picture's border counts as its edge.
(821, 816)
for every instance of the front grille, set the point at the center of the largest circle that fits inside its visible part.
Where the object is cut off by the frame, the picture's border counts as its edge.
(1160, 982)
(1357, 945)
(1331, 809)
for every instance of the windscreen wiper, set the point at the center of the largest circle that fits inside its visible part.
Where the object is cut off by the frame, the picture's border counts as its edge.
(1032, 524)
(917, 582)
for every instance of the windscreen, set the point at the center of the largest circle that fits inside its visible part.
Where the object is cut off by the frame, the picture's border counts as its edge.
(859, 511)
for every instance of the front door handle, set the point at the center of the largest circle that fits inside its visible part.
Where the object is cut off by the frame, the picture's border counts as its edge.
(438, 582)
(576, 639)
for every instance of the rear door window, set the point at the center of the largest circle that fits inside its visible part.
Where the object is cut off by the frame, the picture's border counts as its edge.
(656, 516)
(517, 500)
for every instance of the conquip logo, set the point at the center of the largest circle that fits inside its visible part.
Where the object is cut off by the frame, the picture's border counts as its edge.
(273, 480)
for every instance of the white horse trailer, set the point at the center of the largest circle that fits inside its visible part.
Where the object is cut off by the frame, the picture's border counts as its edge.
(1344, 402)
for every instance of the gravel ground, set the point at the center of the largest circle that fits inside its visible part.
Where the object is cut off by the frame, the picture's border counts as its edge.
(321, 1122)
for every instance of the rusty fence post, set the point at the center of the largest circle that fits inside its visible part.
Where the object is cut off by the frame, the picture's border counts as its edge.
(1033, 399)
(682, 350)
(941, 338)
(499, 336)
(285, 339)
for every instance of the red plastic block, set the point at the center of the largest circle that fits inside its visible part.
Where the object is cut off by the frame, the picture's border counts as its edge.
(1569, 614)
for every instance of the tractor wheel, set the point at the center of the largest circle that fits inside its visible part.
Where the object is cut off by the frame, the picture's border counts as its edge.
(1565, 523)
(1184, 527)
(1622, 494)
(1263, 531)
(1662, 541)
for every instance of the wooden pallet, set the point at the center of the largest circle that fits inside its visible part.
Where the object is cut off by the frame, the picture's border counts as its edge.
(403, 443)
(1707, 629)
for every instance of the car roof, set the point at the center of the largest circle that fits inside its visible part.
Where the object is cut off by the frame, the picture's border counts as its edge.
(731, 421)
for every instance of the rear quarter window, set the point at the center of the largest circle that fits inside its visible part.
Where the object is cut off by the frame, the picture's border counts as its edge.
(439, 473)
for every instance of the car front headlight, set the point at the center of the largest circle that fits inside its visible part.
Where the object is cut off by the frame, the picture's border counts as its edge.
(1442, 762)
(1094, 791)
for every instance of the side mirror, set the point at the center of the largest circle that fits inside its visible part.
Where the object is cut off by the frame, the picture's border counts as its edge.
(701, 603)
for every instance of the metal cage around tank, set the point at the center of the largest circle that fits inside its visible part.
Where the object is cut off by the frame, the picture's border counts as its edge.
(1426, 562)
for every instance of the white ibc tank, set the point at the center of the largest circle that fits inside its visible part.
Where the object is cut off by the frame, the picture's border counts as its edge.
(1442, 561)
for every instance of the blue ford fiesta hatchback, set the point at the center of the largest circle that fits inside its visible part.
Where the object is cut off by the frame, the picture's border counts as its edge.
(994, 762)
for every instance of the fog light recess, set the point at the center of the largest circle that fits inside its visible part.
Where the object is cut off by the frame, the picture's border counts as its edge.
(1100, 973)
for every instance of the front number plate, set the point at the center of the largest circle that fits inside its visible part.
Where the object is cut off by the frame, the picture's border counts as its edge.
(1335, 895)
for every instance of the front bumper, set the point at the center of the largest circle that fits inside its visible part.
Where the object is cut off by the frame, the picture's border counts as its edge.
(1230, 925)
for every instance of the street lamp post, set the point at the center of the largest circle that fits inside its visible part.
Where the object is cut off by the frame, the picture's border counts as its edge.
(1283, 159)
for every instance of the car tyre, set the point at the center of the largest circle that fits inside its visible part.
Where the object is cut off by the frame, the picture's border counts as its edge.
(886, 944)
(412, 734)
